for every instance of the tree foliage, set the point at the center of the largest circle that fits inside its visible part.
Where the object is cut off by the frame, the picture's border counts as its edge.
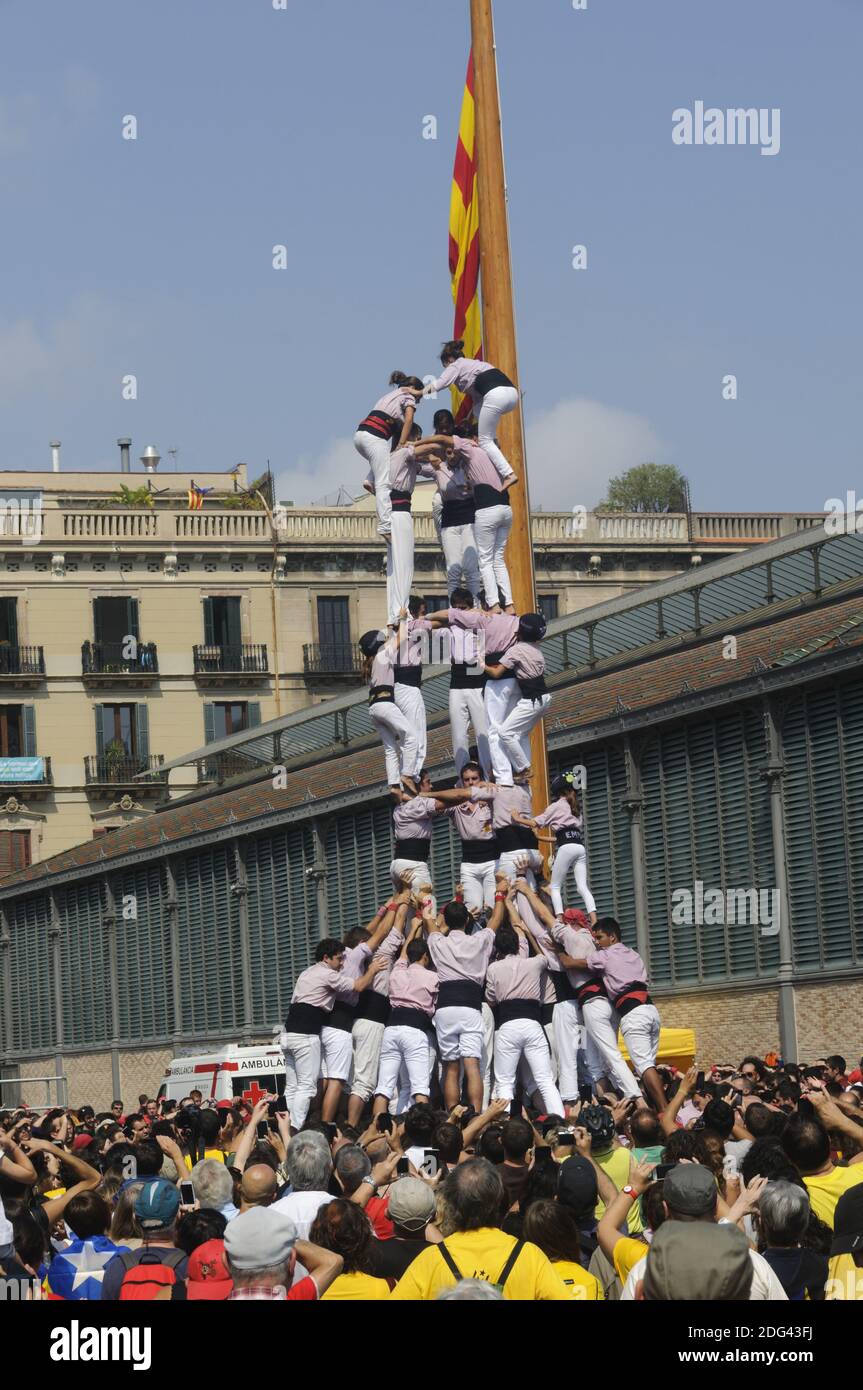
(648, 487)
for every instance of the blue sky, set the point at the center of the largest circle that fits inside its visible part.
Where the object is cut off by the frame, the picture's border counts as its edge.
(304, 127)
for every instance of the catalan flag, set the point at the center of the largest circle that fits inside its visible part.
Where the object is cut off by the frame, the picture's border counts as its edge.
(464, 239)
(196, 496)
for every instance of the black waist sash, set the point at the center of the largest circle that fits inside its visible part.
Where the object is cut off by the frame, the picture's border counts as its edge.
(401, 501)
(631, 998)
(484, 495)
(408, 675)
(561, 985)
(492, 659)
(509, 1009)
(479, 851)
(380, 694)
(532, 687)
(463, 676)
(375, 1007)
(459, 512)
(569, 835)
(403, 1017)
(589, 990)
(342, 1016)
(305, 1018)
(377, 422)
(463, 994)
(514, 837)
(486, 381)
(547, 1014)
(417, 849)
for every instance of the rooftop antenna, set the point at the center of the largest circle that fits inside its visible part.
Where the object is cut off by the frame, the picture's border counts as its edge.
(174, 453)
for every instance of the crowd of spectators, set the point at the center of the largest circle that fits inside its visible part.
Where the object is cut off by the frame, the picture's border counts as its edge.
(747, 1185)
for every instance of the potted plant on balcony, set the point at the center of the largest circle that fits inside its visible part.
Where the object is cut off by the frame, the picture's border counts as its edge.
(115, 758)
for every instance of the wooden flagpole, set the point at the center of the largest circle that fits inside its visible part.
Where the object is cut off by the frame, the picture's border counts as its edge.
(498, 329)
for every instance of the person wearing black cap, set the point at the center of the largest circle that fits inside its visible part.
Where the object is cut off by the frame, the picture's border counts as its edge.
(525, 662)
(564, 819)
(845, 1279)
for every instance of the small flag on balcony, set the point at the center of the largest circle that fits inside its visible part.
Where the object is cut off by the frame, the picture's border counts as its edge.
(196, 496)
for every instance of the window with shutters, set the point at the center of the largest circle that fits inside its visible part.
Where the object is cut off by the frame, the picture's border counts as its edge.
(12, 731)
(210, 949)
(33, 1008)
(548, 606)
(8, 622)
(114, 620)
(223, 624)
(334, 623)
(85, 985)
(14, 850)
(144, 985)
(119, 725)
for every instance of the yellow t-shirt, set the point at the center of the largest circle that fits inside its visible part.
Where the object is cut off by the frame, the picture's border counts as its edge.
(627, 1253)
(208, 1153)
(825, 1189)
(616, 1164)
(583, 1285)
(482, 1255)
(358, 1288)
(844, 1280)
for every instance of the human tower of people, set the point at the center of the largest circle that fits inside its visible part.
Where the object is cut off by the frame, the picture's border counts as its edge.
(499, 988)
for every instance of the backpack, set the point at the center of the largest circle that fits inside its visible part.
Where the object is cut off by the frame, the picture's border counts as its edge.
(501, 1278)
(150, 1273)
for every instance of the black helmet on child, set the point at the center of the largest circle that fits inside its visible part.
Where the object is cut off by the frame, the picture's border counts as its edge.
(372, 641)
(531, 627)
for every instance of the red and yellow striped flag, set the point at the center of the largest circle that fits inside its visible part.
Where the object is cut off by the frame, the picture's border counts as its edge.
(464, 240)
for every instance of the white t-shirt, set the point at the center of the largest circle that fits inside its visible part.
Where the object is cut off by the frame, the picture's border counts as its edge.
(765, 1285)
(301, 1208)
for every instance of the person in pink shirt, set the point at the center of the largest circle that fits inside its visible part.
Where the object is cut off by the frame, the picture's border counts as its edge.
(492, 393)
(510, 738)
(563, 817)
(387, 425)
(472, 822)
(406, 464)
(495, 633)
(413, 822)
(492, 521)
(413, 632)
(373, 1006)
(399, 737)
(408, 1039)
(514, 987)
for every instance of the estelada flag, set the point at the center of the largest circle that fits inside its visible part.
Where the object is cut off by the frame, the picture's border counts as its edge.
(464, 240)
(196, 497)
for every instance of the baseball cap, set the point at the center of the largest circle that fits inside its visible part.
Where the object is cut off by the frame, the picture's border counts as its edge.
(848, 1223)
(81, 1141)
(690, 1189)
(576, 918)
(259, 1239)
(157, 1204)
(577, 1186)
(209, 1276)
(697, 1261)
(411, 1203)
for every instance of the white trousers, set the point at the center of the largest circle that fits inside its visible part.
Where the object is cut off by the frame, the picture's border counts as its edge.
(420, 875)
(399, 739)
(462, 562)
(600, 1025)
(477, 880)
(403, 1045)
(409, 699)
(570, 857)
(459, 1032)
(400, 563)
(437, 513)
(501, 698)
(513, 735)
(466, 708)
(491, 528)
(500, 400)
(524, 1037)
(302, 1067)
(520, 863)
(566, 1024)
(377, 454)
(487, 1053)
(367, 1035)
(640, 1029)
(337, 1054)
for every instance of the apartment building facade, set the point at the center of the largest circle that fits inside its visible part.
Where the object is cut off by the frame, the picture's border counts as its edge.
(131, 634)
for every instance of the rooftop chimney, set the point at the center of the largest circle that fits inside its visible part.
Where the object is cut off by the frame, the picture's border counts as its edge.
(55, 455)
(125, 446)
(151, 458)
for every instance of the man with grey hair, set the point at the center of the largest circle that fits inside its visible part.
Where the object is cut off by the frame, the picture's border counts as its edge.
(470, 1289)
(783, 1216)
(309, 1166)
(214, 1187)
(352, 1165)
(472, 1203)
(262, 1252)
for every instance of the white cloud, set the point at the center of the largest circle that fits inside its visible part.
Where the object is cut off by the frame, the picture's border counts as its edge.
(574, 448)
(51, 359)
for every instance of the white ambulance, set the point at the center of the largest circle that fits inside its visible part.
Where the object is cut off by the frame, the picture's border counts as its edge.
(231, 1073)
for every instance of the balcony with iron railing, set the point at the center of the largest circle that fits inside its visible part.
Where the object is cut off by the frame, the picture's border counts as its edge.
(235, 665)
(113, 770)
(31, 775)
(128, 663)
(21, 665)
(332, 660)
